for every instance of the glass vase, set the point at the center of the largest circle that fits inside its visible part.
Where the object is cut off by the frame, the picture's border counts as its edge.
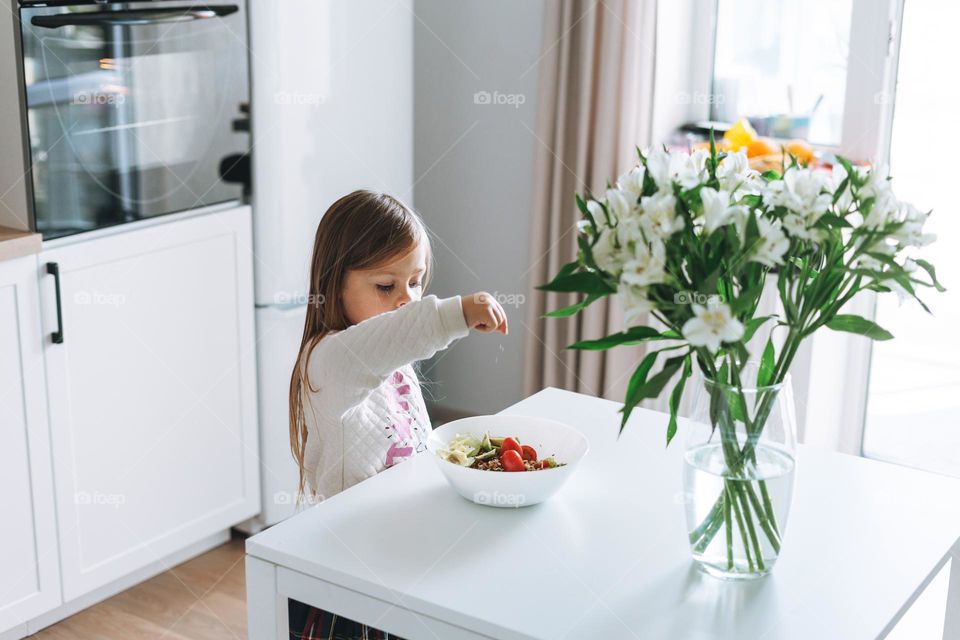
(738, 472)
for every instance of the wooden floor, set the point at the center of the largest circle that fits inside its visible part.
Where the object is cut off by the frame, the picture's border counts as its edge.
(201, 599)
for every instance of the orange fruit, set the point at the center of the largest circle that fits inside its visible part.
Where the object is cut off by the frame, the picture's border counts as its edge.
(760, 147)
(801, 149)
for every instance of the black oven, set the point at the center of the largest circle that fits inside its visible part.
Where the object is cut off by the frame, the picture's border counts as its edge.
(132, 108)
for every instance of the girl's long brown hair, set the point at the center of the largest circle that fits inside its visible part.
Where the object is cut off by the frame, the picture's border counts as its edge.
(361, 230)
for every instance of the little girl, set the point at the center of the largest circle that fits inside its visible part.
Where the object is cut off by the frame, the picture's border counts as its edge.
(355, 401)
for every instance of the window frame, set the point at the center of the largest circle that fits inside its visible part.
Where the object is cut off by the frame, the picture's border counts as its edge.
(834, 367)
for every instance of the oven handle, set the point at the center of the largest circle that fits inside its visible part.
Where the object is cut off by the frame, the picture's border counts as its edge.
(132, 17)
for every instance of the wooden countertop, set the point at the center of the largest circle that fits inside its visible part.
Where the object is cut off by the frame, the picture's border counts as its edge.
(15, 244)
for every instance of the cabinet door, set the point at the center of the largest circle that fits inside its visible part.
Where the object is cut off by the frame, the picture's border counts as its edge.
(28, 544)
(152, 393)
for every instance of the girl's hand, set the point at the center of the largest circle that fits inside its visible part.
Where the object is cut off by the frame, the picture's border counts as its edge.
(483, 313)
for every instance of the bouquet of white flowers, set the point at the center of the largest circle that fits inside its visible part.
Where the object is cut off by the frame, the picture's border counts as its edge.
(691, 239)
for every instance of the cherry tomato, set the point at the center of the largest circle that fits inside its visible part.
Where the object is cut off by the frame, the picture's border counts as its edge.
(529, 453)
(510, 444)
(512, 461)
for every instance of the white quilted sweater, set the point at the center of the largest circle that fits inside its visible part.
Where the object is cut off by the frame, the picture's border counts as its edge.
(365, 411)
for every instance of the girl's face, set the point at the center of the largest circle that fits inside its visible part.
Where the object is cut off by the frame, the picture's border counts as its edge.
(370, 292)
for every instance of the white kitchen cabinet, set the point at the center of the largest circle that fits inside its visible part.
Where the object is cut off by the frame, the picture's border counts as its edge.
(30, 583)
(152, 392)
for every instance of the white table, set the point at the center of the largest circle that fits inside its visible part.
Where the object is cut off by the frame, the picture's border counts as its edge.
(607, 556)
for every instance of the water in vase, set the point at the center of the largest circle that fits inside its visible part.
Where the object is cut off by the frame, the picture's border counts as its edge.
(736, 520)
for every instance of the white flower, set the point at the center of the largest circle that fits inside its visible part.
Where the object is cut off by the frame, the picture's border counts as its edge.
(734, 171)
(606, 253)
(838, 176)
(620, 204)
(646, 266)
(716, 209)
(802, 192)
(877, 184)
(658, 165)
(660, 218)
(911, 234)
(773, 243)
(632, 181)
(688, 170)
(712, 325)
(882, 211)
(878, 247)
(797, 227)
(902, 294)
(595, 210)
(740, 216)
(631, 231)
(634, 302)
(805, 195)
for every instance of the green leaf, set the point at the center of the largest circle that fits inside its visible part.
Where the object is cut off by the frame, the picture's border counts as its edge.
(651, 388)
(789, 307)
(580, 282)
(573, 308)
(833, 220)
(675, 396)
(654, 386)
(585, 255)
(714, 161)
(633, 335)
(585, 211)
(926, 266)
(841, 188)
(637, 380)
(567, 269)
(752, 326)
(765, 374)
(859, 325)
(885, 259)
(747, 299)
(855, 178)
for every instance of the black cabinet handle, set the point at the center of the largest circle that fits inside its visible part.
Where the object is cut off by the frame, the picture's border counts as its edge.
(57, 336)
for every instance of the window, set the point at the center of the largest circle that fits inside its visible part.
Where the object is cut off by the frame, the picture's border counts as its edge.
(913, 405)
(783, 65)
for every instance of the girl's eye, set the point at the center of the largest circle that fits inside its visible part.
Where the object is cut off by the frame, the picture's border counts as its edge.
(385, 287)
(416, 284)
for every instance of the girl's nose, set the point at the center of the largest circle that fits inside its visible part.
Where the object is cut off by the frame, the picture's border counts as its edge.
(404, 297)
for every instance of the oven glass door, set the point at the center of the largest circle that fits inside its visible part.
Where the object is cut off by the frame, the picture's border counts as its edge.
(131, 108)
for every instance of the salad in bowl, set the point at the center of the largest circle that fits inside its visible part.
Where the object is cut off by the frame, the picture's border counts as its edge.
(507, 460)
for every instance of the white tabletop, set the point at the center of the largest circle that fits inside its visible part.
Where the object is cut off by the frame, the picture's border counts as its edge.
(607, 556)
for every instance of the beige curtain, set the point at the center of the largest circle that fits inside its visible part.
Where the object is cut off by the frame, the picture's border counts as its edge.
(596, 104)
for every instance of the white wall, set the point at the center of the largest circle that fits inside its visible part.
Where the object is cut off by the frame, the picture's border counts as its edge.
(474, 169)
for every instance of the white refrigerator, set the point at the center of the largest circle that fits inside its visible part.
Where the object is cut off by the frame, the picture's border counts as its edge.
(331, 111)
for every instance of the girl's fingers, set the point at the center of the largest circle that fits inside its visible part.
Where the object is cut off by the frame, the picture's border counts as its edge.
(493, 317)
(493, 321)
(487, 322)
(502, 317)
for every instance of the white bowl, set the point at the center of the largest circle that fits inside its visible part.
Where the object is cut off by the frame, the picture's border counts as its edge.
(504, 488)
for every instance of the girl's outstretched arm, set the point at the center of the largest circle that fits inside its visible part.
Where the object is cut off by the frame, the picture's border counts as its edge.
(360, 357)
